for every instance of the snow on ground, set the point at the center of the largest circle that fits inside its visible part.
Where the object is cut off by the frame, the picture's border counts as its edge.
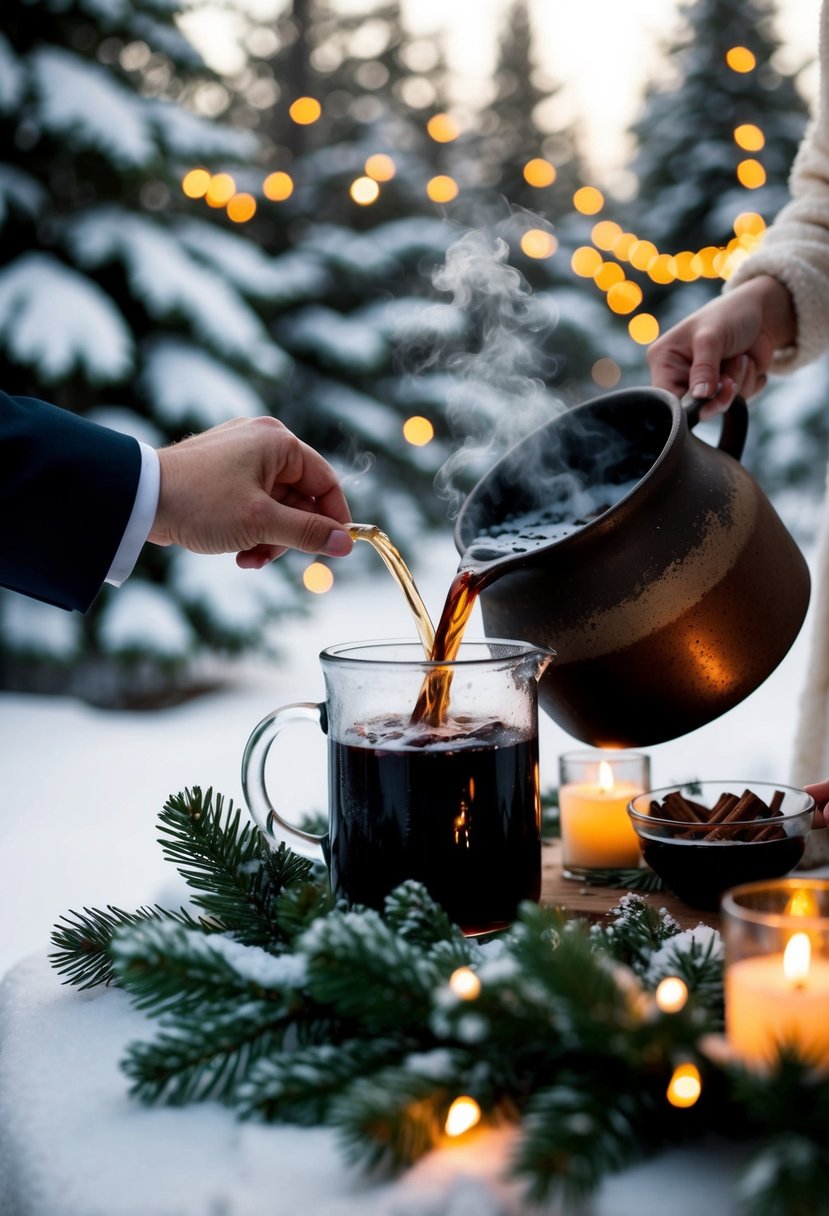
(82, 787)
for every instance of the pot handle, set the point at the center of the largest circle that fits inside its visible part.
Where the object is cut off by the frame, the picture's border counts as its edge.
(734, 424)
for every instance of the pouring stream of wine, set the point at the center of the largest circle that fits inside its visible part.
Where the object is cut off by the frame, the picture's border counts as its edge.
(403, 576)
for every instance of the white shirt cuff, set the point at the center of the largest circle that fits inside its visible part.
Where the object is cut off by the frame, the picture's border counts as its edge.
(141, 519)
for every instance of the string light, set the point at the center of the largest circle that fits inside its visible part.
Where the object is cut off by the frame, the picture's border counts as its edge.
(539, 172)
(588, 200)
(671, 994)
(536, 243)
(195, 183)
(751, 174)
(220, 191)
(317, 578)
(685, 1086)
(741, 59)
(606, 372)
(749, 137)
(643, 328)
(608, 275)
(442, 189)
(241, 208)
(278, 186)
(305, 110)
(381, 167)
(604, 234)
(442, 128)
(364, 191)
(418, 431)
(624, 297)
(465, 983)
(463, 1114)
(585, 261)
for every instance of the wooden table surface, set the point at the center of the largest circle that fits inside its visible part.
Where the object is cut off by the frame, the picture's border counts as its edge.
(595, 902)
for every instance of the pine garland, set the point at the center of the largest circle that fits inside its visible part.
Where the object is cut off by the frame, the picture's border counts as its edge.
(290, 1008)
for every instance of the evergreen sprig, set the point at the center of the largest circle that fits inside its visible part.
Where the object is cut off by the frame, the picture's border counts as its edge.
(291, 1009)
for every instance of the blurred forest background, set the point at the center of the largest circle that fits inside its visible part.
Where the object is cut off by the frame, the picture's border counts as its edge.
(328, 236)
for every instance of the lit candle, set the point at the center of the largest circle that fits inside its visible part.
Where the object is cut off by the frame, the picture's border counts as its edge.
(779, 997)
(596, 832)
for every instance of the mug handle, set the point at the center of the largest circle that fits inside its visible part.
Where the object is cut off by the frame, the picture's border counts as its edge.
(734, 423)
(273, 827)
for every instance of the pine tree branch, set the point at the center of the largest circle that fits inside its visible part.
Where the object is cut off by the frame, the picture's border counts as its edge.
(83, 942)
(299, 1086)
(238, 878)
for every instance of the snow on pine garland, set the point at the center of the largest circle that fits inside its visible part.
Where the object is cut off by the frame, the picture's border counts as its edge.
(402, 1034)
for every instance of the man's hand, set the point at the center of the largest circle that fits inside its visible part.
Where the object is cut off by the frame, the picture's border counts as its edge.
(250, 486)
(726, 347)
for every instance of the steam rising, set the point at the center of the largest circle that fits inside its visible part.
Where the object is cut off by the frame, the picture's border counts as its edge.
(498, 389)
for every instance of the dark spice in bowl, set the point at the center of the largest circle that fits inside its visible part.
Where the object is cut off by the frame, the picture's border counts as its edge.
(704, 838)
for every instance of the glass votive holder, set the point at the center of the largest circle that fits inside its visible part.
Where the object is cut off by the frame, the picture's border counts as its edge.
(776, 936)
(595, 788)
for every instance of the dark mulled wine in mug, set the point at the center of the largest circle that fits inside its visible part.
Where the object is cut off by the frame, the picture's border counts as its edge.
(455, 807)
(432, 776)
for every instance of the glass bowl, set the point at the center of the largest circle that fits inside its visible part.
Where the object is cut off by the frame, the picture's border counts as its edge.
(760, 833)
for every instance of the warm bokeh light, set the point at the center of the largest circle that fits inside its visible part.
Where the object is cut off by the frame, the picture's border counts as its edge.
(364, 190)
(671, 994)
(606, 373)
(195, 184)
(741, 59)
(662, 268)
(605, 234)
(442, 189)
(641, 254)
(317, 578)
(463, 1114)
(539, 172)
(749, 137)
(443, 128)
(381, 167)
(418, 431)
(305, 110)
(685, 271)
(241, 208)
(685, 1086)
(749, 223)
(278, 186)
(623, 245)
(608, 274)
(703, 262)
(465, 983)
(220, 191)
(588, 200)
(585, 261)
(643, 328)
(624, 297)
(751, 174)
(536, 243)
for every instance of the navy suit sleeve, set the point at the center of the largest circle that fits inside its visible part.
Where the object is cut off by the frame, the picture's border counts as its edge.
(67, 487)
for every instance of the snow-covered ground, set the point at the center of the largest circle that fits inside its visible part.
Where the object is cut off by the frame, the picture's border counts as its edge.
(81, 787)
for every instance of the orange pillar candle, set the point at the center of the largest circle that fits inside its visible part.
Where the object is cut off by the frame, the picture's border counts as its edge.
(777, 971)
(595, 789)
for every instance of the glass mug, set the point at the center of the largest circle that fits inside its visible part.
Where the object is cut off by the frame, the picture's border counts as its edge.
(454, 806)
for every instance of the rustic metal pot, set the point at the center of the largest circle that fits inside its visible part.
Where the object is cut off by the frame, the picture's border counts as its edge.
(665, 610)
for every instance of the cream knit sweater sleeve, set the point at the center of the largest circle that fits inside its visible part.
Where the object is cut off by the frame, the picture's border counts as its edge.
(796, 246)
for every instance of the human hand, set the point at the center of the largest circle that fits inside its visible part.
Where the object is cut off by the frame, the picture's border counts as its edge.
(250, 486)
(725, 347)
(820, 792)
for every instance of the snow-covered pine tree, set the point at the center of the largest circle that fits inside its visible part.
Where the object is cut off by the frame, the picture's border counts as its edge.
(117, 304)
(698, 127)
(695, 129)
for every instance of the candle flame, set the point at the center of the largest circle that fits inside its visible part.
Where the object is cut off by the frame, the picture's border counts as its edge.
(685, 1085)
(605, 776)
(796, 958)
(463, 1114)
(802, 903)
